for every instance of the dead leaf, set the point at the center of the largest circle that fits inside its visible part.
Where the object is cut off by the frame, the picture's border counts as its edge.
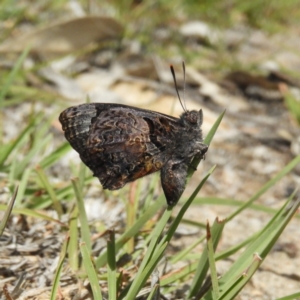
(66, 37)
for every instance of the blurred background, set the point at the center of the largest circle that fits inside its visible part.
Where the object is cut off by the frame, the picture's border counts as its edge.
(240, 56)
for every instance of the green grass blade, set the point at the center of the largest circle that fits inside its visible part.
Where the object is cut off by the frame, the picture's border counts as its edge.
(22, 186)
(212, 264)
(54, 156)
(228, 252)
(206, 141)
(290, 166)
(242, 280)
(261, 245)
(7, 149)
(214, 129)
(46, 184)
(30, 155)
(111, 262)
(290, 297)
(203, 265)
(82, 175)
(154, 251)
(179, 275)
(180, 255)
(140, 281)
(232, 202)
(12, 75)
(154, 294)
(59, 269)
(91, 272)
(66, 193)
(147, 215)
(132, 211)
(84, 226)
(73, 243)
(153, 247)
(292, 104)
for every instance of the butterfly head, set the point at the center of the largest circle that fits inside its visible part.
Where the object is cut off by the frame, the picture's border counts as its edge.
(192, 118)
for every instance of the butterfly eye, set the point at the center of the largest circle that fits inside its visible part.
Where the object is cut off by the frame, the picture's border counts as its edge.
(193, 117)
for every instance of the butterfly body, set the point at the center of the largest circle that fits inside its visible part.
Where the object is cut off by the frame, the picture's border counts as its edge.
(121, 143)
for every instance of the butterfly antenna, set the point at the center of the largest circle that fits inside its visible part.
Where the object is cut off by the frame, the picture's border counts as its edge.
(184, 82)
(176, 87)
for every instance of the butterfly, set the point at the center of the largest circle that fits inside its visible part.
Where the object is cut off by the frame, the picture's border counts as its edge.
(121, 143)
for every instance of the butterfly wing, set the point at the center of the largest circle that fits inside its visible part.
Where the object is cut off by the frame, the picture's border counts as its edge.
(119, 143)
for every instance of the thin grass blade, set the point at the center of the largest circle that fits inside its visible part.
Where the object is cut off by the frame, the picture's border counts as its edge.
(12, 75)
(145, 217)
(84, 226)
(59, 269)
(242, 280)
(8, 211)
(289, 167)
(46, 184)
(111, 262)
(203, 265)
(212, 264)
(91, 272)
(261, 245)
(73, 243)
(206, 141)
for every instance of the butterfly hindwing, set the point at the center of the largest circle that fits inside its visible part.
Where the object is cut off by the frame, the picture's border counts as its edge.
(121, 143)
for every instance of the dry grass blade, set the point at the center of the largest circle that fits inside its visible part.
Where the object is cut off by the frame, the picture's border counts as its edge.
(8, 211)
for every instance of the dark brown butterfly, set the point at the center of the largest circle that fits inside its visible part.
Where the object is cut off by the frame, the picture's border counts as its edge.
(120, 143)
